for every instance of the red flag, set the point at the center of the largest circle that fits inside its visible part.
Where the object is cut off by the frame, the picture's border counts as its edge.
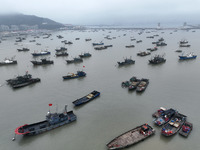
(50, 104)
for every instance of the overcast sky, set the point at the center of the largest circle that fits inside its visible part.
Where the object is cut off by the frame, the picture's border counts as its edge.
(91, 12)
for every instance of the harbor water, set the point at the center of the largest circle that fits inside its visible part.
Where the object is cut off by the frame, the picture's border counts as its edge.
(173, 84)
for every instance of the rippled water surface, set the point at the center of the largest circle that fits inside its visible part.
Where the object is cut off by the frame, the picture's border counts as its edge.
(173, 84)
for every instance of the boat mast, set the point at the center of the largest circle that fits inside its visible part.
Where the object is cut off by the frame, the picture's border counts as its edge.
(65, 110)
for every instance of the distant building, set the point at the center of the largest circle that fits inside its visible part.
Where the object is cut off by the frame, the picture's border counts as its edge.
(26, 27)
(14, 28)
(4, 28)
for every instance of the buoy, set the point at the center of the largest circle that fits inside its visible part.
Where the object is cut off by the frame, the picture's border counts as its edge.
(13, 138)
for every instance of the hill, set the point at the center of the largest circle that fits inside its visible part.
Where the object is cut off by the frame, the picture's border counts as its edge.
(29, 20)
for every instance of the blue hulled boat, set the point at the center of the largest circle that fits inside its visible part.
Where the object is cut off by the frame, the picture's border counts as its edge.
(94, 44)
(86, 98)
(187, 56)
(73, 75)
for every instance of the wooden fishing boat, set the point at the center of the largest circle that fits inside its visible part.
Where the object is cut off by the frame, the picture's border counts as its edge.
(131, 137)
(159, 112)
(134, 82)
(174, 125)
(165, 117)
(186, 129)
(143, 85)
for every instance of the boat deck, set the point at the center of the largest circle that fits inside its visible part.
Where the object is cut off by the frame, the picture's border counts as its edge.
(130, 137)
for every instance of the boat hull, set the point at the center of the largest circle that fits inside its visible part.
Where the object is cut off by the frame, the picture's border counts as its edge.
(86, 98)
(172, 127)
(40, 54)
(129, 138)
(43, 126)
(70, 77)
(157, 62)
(74, 77)
(26, 83)
(42, 63)
(5, 64)
(185, 57)
(186, 134)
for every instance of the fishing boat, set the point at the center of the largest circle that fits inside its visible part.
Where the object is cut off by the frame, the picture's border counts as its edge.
(134, 82)
(178, 51)
(21, 81)
(184, 45)
(131, 137)
(157, 59)
(125, 84)
(143, 53)
(143, 85)
(187, 56)
(108, 46)
(159, 112)
(62, 53)
(139, 41)
(85, 55)
(183, 41)
(174, 125)
(186, 129)
(52, 121)
(94, 94)
(38, 44)
(59, 36)
(23, 49)
(69, 42)
(100, 48)
(127, 61)
(165, 117)
(130, 46)
(161, 44)
(95, 44)
(152, 49)
(88, 40)
(32, 41)
(41, 53)
(61, 49)
(73, 75)
(42, 62)
(157, 42)
(75, 60)
(161, 39)
(8, 61)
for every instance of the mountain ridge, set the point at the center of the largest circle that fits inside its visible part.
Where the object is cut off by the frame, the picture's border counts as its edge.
(30, 20)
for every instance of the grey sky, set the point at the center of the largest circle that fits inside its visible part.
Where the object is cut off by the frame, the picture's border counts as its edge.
(106, 11)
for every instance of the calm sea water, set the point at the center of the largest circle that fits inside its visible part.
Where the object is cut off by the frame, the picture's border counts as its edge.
(173, 84)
